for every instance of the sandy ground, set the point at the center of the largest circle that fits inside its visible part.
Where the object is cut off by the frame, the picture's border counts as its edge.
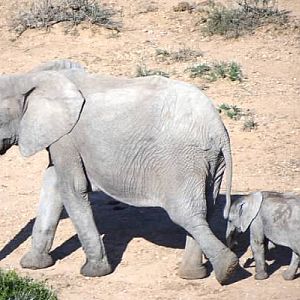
(143, 245)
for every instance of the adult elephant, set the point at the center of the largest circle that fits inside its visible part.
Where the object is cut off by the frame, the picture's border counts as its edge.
(145, 141)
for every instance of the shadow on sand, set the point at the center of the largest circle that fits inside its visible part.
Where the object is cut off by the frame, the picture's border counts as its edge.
(120, 223)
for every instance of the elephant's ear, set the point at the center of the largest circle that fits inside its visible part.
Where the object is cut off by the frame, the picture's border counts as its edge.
(248, 209)
(50, 110)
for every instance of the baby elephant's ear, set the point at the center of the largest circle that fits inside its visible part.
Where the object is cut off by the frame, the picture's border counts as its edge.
(249, 209)
(51, 110)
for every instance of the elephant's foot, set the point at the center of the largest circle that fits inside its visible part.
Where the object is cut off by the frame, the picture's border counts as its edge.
(287, 275)
(224, 265)
(192, 272)
(261, 275)
(34, 260)
(95, 268)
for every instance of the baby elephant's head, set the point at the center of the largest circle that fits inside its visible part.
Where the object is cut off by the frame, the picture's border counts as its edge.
(242, 212)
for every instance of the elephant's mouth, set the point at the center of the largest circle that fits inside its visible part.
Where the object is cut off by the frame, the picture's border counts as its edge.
(4, 146)
(231, 239)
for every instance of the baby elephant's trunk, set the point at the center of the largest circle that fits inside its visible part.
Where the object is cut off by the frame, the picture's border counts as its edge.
(230, 235)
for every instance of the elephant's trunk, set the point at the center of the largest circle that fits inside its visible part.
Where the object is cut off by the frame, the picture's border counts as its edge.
(230, 236)
(229, 241)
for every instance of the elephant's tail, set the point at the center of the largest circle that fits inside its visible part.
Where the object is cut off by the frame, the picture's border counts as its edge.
(228, 175)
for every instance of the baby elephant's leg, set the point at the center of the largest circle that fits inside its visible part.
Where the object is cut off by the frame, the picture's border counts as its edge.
(290, 273)
(258, 249)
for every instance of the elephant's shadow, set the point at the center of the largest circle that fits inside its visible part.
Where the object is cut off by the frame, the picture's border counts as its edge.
(120, 223)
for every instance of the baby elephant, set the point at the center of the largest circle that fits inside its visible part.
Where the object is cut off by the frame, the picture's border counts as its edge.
(275, 216)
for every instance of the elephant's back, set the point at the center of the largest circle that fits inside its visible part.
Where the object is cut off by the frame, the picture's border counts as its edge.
(281, 214)
(156, 108)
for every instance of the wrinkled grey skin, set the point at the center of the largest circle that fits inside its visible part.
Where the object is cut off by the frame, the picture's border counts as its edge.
(144, 141)
(275, 216)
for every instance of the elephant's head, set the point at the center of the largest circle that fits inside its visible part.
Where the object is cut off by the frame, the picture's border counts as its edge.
(242, 212)
(37, 109)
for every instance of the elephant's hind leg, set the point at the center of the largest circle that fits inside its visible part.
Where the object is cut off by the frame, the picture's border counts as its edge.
(49, 211)
(290, 273)
(192, 264)
(190, 213)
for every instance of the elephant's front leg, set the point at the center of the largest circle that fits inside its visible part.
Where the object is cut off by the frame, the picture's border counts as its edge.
(192, 264)
(258, 249)
(49, 211)
(79, 210)
(73, 185)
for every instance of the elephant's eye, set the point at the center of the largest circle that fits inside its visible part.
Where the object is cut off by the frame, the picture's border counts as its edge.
(241, 210)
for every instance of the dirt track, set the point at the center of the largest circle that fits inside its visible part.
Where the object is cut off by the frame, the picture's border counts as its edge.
(143, 245)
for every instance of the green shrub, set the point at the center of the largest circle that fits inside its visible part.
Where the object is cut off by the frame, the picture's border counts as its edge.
(248, 16)
(142, 71)
(236, 113)
(46, 13)
(216, 70)
(231, 111)
(14, 287)
(199, 70)
(234, 72)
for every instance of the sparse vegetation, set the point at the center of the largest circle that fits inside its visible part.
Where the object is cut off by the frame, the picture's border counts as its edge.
(164, 54)
(245, 18)
(231, 111)
(216, 70)
(46, 13)
(14, 287)
(184, 54)
(142, 71)
(236, 113)
(250, 124)
(183, 6)
(150, 7)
